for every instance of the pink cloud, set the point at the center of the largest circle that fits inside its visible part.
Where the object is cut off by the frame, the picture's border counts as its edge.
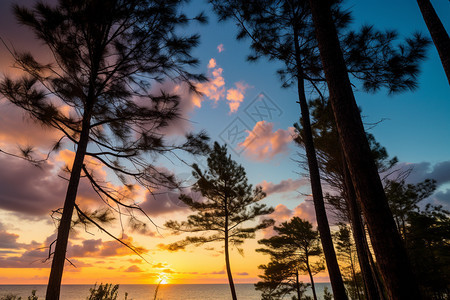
(235, 96)
(220, 48)
(263, 143)
(287, 185)
(212, 63)
(306, 211)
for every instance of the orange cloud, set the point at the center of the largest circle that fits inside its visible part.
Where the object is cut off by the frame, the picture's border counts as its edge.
(235, 96)
(212, 63)
(263, 144)
(220, 48)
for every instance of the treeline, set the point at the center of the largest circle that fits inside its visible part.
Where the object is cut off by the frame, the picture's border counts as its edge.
(108, 55)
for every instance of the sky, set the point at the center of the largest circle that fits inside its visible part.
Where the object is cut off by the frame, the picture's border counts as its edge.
(243, 106)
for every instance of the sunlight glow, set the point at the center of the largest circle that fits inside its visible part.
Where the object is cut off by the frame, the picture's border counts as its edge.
(163, 279)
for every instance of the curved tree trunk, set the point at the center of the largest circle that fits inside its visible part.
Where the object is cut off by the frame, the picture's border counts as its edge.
(370, 288)
(59, 256)
(227, 258)
(438, 34)
(389, 250)
(337, 283)
(313, 288)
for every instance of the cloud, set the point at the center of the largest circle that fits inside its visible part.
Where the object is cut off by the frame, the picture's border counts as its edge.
(220, 48)
(214, 89)
(212, 63)
(28, 189)
(242, 274)
(163, 201)
(235, 96)
(133, 269)
(284, 186)
(263, 144)
(425, 170)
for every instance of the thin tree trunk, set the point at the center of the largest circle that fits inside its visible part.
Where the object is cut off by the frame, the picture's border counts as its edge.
(227, 257)
(370, 288)
(337, 283)
(390, 253)
(59, 256)
(297, 285)
(313, 288)
(438, 34)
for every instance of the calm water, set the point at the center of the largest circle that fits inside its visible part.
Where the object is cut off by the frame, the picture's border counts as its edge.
(146, 291)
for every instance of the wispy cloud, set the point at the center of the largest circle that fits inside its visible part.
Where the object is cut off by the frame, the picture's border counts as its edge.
(220, 48)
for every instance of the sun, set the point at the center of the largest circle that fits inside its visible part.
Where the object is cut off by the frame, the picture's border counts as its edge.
(163, 279)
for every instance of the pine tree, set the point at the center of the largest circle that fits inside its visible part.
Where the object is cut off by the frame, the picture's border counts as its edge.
(389, 250)
(229, 202)
(294, 246)
(107, 56)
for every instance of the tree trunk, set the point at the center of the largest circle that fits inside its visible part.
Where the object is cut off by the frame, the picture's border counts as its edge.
(337, 283)
(370, 288)
(390, 253)
(59, 256)
(297, 285)
(438, 34)
(227, 258)
(313, 288)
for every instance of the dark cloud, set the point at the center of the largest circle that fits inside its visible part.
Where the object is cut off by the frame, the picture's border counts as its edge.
(242, 273)
(425, 170)
(442, 198)
(29, 189)
(162, 202)
(133, 269)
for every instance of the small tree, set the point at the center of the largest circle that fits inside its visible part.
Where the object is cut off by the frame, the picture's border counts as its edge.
(294, 246)
(229, 202)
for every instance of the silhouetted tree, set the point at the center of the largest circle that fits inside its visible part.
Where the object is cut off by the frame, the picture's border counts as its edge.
(294, 245)
(425, 232)
(279, 280)
(107, 56)
(346, 250)
(281, 30)
(438, 33)
(389, 250)
(229, 202)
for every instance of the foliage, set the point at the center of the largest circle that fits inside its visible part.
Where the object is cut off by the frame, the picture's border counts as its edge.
(106, 291)
(228, 202)
(326, 294)
(346, 251)
(425, 232)
(104, 88)
(291, 252)
(15, 297)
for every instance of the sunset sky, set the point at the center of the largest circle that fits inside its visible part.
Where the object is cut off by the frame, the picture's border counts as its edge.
(243, 106)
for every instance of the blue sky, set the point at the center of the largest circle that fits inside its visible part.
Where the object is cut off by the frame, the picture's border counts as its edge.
(416, 129)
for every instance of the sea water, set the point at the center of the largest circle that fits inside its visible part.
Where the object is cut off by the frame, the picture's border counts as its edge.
(147, 291)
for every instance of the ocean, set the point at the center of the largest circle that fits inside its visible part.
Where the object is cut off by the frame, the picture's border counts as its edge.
(147, 291)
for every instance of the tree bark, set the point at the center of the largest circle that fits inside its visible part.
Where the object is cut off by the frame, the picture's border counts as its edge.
(337, 284)
(297, 285)
(370, 288)
(227, 258)
(390, 253)
(313, 288)
(438, 34)
(59, 256)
